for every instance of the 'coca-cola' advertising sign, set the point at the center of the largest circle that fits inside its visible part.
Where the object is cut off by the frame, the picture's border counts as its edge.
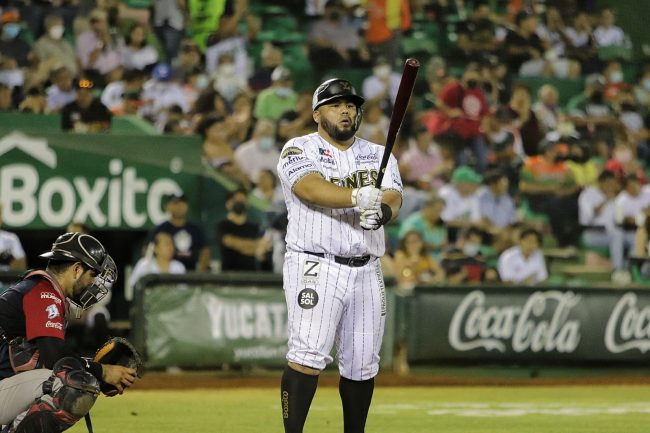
(628, 327)
(540, 324)
(529, 324)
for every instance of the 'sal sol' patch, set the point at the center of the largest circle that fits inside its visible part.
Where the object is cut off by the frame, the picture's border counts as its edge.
(307, 299)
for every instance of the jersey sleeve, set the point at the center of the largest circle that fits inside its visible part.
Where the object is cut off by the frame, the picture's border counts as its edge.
(296, 162)
(392, 180)
(44, 313)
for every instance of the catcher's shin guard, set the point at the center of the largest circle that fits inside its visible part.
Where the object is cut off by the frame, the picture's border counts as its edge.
(68, 395)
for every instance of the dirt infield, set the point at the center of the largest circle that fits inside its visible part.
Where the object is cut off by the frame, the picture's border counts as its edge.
(271, 379)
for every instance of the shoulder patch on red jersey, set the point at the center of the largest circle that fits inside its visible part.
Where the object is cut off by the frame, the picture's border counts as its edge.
(52, 311)
(53, 296)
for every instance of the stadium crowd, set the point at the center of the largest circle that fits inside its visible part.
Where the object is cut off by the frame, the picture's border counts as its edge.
(528, 128)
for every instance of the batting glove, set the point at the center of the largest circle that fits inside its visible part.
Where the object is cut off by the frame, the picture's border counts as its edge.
(372, 219)
(367, 197)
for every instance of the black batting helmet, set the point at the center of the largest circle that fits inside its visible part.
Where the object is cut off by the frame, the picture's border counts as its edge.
(79, 247)
(333, 89)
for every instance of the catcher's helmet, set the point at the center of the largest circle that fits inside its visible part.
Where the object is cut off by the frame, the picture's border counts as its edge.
(79, 247)
(333, 89)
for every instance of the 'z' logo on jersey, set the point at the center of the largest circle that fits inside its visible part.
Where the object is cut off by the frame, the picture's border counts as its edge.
(310, 271)
(52, 311)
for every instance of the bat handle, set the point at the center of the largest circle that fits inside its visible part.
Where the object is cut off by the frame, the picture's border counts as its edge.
(380, 177)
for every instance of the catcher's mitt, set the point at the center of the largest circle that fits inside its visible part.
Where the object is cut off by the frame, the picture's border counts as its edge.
(118, 351)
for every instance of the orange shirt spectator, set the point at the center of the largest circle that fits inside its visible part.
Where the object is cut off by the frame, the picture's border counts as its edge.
(386, 16)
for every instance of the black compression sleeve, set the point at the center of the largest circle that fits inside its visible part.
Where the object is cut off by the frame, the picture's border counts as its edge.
(386, 214)
(52, 349)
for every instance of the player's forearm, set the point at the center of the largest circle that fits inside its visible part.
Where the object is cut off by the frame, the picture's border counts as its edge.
(316, 190)
(394, 200)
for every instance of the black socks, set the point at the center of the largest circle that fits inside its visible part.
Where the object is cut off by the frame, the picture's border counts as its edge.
(296, 393)
(356, 397)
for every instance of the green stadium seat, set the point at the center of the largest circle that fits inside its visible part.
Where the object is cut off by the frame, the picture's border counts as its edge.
(281, 36)
(418, 42)
(615, 52)
(282, 23)
(529, 215)
(295, 58)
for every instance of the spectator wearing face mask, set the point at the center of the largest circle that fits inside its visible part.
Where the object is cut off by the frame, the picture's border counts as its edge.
(226, 79)
(273, 102)
(381, 87)
(624, 163)
(238, 237)
(11, 45)
(615, 81)
(52, 48)
(465, 260)
(260, 152)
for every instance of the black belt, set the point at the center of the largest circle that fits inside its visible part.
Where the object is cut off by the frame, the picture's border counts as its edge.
(355, 262)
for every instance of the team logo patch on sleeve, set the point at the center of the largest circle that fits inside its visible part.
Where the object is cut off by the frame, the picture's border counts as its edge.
(291, 150)
(307, 299)
(52, 311)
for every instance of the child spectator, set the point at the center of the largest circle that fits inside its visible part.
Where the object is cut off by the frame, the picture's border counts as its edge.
(413, 264)
(524, 263)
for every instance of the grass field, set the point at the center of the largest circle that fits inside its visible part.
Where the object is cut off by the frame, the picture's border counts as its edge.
(570, 409)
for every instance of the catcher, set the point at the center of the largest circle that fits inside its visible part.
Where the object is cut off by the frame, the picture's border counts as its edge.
(44, 387)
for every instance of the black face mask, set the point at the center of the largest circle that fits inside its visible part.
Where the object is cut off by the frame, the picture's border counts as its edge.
(334, 16)
(239, 208)
(472, 84)
(597, 97)
(628, 107)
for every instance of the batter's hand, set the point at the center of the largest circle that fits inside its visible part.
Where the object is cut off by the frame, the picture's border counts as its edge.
(371, 219)
(367, 197)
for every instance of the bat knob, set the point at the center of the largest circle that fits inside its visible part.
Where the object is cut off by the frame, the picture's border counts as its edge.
(413, 62)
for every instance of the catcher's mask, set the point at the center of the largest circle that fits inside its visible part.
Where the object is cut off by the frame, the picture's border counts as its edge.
(334, 89)
(78, 247)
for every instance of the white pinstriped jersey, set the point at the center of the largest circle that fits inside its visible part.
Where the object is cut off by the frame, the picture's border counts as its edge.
(325, 230)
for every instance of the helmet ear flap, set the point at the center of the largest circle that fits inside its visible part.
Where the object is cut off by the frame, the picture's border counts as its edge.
(357, 121)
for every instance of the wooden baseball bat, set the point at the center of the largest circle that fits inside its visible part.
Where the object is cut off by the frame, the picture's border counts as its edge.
(406, 84)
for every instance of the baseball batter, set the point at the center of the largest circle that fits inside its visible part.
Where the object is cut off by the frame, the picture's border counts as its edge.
(332, 276)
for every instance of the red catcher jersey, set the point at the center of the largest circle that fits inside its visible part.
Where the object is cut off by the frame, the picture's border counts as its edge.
(44, 308)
